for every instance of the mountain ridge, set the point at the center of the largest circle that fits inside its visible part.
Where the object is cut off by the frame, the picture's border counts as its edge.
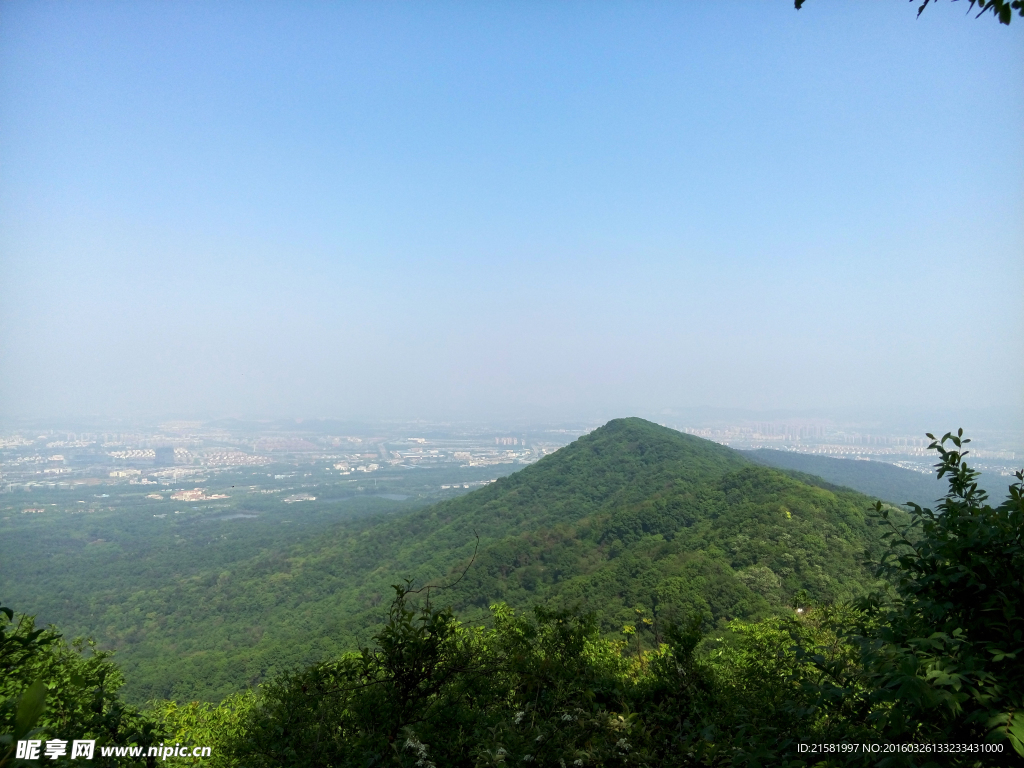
(632, 515)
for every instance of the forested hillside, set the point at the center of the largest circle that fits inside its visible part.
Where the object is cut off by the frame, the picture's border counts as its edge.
(633, 515)
(716, 670)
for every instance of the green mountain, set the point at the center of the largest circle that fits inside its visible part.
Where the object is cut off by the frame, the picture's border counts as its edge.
(634, 522)
(874, 478)
(632, 515)
(638, 514)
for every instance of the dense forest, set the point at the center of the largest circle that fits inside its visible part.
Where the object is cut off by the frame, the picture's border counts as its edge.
(180, 597)
(641, 597)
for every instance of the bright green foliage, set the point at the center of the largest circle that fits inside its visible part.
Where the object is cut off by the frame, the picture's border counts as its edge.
(50, 689)
(436, 692)
(199, 724)
(943, 657)
(542, 690)
(962, 578)
(937, 658)
(352, 711)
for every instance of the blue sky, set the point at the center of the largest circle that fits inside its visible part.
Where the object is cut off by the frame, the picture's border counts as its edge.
(457, 209)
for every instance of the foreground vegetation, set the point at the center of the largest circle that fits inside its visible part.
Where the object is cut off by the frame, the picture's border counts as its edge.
(934, 656)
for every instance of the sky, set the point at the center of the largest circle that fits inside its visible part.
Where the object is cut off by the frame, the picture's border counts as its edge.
(512, 209)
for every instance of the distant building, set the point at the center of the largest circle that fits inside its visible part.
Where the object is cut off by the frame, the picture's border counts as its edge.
(196, 494)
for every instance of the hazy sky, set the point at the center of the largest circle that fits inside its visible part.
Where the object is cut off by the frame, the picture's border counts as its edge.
(366, 209)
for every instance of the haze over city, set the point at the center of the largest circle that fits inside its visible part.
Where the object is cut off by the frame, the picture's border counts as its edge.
(514, 211)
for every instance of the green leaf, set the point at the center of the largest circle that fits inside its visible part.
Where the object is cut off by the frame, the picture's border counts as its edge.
(1015, 732)
(30, 708)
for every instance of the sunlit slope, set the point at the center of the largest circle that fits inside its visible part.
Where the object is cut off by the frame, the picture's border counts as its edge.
(738, 546)
(624, 462)
(632, 514)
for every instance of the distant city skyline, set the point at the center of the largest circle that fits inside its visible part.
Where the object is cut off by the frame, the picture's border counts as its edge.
(510, 211)
(188, 461)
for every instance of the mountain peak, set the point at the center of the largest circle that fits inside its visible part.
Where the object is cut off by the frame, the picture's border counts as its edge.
(624, 461)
